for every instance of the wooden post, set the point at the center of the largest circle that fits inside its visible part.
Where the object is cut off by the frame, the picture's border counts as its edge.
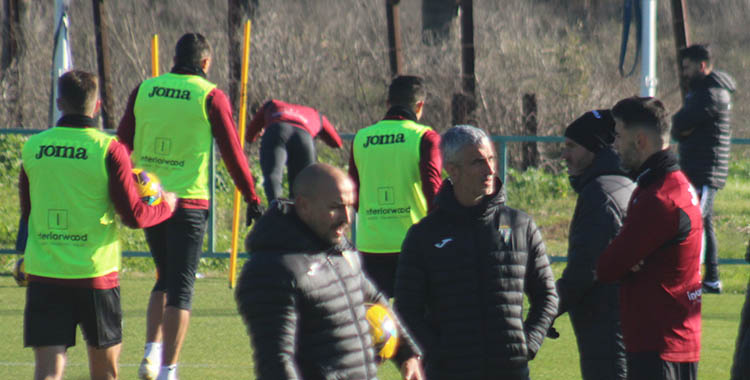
(10, 43)
(11, 56)
(394, 36)
(238, 11)
(681, 37)
(467, 48)
(530, 123)
(101, 27)
(464, 104)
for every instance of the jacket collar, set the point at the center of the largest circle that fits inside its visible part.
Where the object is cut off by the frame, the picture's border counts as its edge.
(188, 70)
(657, 166)
(446, 201)
(400, 113)
(716, 79)
(606, 162)
(74, 120)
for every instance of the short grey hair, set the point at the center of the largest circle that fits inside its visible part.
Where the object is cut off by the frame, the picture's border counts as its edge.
(454, 139)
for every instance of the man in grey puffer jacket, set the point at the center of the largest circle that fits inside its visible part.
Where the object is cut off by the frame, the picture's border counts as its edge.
(702, 128)
(303, 294)
(603, 194)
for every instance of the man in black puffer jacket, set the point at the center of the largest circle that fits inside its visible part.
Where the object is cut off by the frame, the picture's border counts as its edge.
(303, 295)
(703, 131)
(603, 194)
(464, 269)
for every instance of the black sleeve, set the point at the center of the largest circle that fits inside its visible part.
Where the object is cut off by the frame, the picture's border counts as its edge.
(540, 287)
(266, 299)
(411, 290)
(593, 228)
(696, 110)
(23, 235)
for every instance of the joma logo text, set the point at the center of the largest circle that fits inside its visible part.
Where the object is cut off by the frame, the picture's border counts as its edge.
(384, 139)
(174, 93)
(61, 151)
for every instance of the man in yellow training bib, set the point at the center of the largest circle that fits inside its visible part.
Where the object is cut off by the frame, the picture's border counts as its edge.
(76, 177)
(169, 123)
(396, 168)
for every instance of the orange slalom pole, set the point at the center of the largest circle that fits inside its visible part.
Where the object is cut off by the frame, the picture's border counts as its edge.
(155, 55)
(243, 116)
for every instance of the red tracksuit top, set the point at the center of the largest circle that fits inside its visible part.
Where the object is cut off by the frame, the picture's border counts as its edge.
(306, 118)
(660, 304)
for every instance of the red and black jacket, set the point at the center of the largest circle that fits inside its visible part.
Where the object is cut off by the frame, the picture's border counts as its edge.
(660, 303)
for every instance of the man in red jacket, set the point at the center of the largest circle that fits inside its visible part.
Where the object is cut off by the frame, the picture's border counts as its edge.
(656, 255)
(288, 131)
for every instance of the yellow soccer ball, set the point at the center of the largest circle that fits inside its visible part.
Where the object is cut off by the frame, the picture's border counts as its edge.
(383, 330)
(19, 273)
(149, 187)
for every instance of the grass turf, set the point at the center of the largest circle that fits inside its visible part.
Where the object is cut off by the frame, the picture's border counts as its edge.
(217, 346)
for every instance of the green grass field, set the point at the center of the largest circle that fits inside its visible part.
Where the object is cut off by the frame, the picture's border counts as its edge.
(218, 348)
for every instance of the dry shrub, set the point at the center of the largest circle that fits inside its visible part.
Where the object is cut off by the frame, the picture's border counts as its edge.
(333, 55)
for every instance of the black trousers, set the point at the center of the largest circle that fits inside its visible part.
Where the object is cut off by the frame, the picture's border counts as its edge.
(649, 366)
(283, 143)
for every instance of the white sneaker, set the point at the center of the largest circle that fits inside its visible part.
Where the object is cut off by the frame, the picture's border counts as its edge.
(168, 373)
(148, 370)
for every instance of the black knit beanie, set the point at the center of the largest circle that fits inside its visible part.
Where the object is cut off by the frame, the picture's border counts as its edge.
(594, 130)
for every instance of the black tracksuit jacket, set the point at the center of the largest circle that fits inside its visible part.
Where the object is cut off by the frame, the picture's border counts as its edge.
(603, 194)
(303, 302)
(460, 286)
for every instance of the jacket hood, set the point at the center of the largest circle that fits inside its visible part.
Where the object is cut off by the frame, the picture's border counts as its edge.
(446, 201)
(606, 162)
(280, 230)
(720, 79)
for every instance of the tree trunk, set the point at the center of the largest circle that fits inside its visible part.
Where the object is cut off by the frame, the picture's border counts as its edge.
(239, 11)
(11, 59)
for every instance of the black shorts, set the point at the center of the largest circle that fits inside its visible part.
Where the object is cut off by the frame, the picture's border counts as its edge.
(176, 245)
(650, 366)
(53, 312)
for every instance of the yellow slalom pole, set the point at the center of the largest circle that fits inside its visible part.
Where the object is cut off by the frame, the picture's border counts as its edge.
(243, 115)
(155, 55)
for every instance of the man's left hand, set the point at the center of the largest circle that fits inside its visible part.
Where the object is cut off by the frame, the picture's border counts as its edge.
(412, 369)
